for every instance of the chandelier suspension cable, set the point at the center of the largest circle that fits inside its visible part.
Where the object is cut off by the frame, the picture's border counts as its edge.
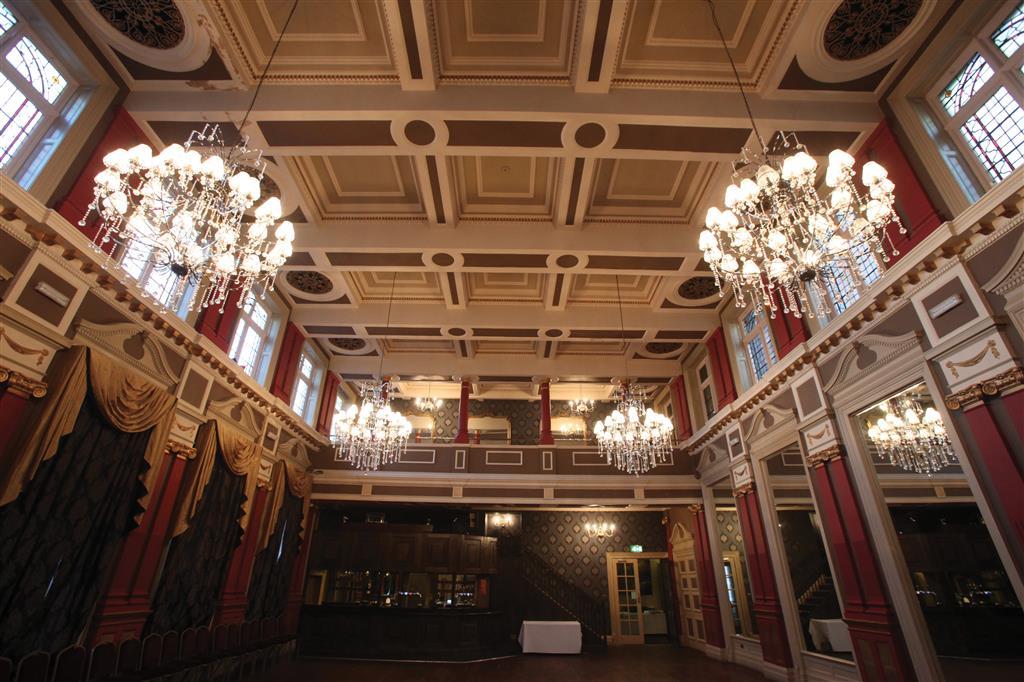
(266, 67)
(735, 72)
(622, 331)
(387, 326)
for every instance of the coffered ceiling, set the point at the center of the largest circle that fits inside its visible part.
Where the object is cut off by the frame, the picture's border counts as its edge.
(510, 167)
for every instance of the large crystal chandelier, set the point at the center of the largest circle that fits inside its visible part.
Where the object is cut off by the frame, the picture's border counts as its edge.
(911, 437)
(374, 435)
(187, 214)
(633, 438)
(778, 243)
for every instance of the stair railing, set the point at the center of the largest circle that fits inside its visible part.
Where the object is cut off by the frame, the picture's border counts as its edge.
(590, 612)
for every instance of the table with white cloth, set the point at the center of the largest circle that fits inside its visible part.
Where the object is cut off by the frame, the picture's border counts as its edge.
(551, 637)
(830, 634)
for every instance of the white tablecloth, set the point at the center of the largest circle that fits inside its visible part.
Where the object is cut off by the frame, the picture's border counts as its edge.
(832, 631)
(551, 637)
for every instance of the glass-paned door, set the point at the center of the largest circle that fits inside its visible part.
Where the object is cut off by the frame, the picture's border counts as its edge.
(627, 598)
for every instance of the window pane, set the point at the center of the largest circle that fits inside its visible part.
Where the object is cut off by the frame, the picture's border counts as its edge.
(840, 288)
(260, 315)
(1010, 34)
(18, 116)
(969, 81)
(37, 69)
(749, 321)
(305, 367)
(299, 399)
(6, 19)
(755, 348)
(249, 350)
(996, 133)
(162, 284)
(772, 357)
(867, 264)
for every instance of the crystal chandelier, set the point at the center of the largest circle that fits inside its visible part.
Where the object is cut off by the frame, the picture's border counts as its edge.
(911, 437)
(600, 530)
(428, 404)
(778, 243)
(581, 407)
(188, 211)
(633, 438)
(374, 435)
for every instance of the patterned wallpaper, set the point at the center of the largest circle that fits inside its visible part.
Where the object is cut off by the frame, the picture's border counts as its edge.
(730, 537)
(559, 538)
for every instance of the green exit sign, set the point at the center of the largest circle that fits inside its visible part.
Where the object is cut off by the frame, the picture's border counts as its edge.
(636, 548)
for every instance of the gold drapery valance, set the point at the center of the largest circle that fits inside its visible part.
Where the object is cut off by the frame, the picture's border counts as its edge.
(241, 455)
(296, 480)
(128, 401)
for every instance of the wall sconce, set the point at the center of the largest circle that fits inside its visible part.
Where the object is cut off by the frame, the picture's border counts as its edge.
(502, 521)
(599, 530)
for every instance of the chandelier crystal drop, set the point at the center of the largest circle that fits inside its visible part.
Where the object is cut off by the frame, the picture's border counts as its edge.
(633, 438)
(189, 210)
(911, 437)
(779, 244)
(374, 435)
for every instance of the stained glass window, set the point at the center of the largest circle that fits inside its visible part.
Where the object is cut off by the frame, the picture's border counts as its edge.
(996, 132)
(26, 58)
(7, 19)
(1010, 34)
(965, 84)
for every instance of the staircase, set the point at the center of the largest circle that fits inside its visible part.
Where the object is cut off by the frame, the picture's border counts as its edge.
(554, 596)
(819, 600)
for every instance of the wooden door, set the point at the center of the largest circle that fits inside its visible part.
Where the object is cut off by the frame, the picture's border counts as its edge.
(627, 615)
(684, 563)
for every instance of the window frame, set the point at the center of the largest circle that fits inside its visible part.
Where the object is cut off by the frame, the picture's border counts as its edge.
(51, 114)
(1006, 73)
(709, 384)
(312, 399)
(762, 331)
(268, 338)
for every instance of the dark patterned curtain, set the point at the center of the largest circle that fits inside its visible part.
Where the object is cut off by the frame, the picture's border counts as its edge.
(197, 560)
(60, 536)
(272, 569)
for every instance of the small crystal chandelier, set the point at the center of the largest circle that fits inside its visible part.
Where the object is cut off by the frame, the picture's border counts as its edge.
(600, 530)
(186, 211)
(579, 406)
(911, 437)
(778, 243)
(428, 404)
(633, 438)
(374, 435)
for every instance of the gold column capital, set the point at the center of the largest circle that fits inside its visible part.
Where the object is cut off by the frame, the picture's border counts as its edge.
(21, 385)
(990, 387)
(825, 455)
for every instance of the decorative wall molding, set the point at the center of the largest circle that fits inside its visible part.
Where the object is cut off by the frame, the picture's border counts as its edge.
(239, 412)
(990, 387)
(954, 367)
(39, 353)
(887, 348)
(115, 338)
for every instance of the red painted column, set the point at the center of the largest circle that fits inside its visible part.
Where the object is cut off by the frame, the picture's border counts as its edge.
(326, 414)
(994, 453)
(124, 608)
(721, 371)
(680, 408)
(462, 436)
(287, 363)
(789, 332)
(874, 630)
(915, 209)
(714, 634)
(123, 133)
(546, 437)
(771, 627)
(220, 326)
(234, 596)
(297, 584)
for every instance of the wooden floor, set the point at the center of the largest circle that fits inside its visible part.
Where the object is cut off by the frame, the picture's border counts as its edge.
(651, 663)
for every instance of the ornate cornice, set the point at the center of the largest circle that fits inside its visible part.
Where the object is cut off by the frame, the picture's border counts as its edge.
(825, 455)
(990, 387)
(179, 450)
(21, 385)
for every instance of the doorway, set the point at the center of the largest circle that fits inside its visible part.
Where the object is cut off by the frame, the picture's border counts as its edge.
(640, 597)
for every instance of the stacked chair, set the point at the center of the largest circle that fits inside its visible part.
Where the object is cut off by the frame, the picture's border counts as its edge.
(229, 653)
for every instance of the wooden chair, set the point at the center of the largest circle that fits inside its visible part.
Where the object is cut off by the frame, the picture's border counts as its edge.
(34, 667)
(129, 657)
(70, 666)
(102, 661)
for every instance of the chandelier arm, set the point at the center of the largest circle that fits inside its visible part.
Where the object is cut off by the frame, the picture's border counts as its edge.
(736, 73)
(266, 67)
